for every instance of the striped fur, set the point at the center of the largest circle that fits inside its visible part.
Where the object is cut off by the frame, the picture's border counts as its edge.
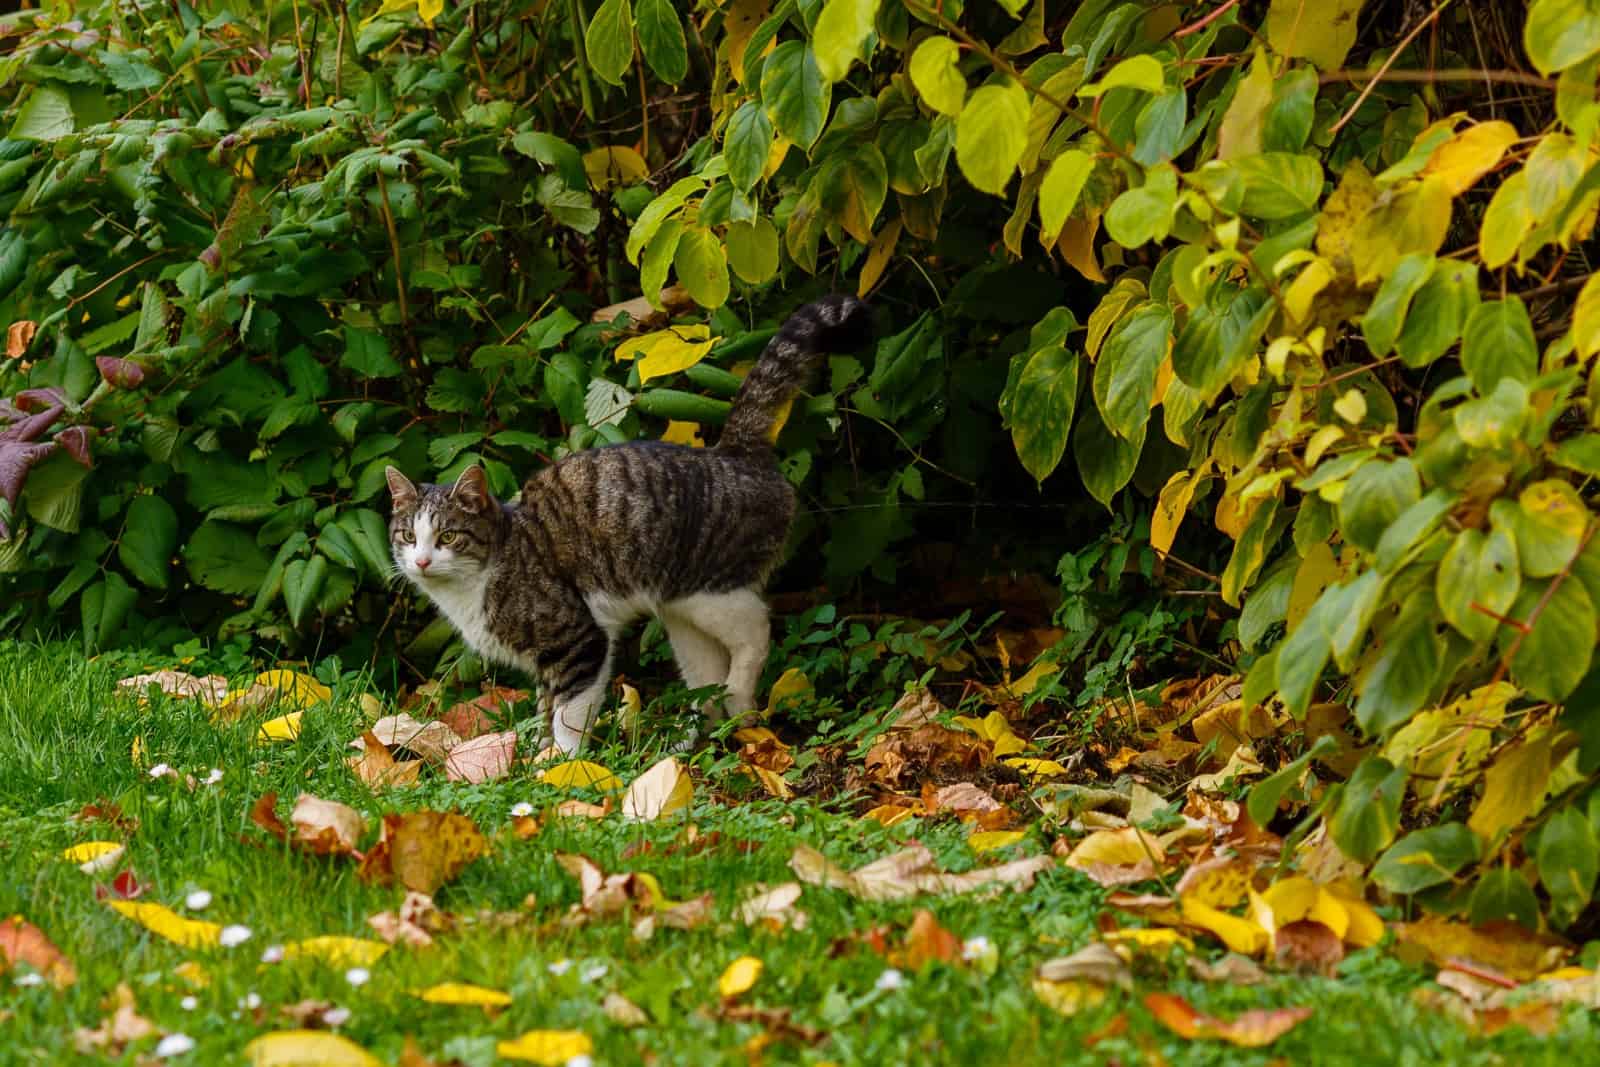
(548, 583)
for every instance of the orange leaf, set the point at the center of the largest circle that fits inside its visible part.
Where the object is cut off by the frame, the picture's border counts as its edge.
(1253, 1029)
(23, 942)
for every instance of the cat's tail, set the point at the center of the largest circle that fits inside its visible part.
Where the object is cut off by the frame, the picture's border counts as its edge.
(836, 323)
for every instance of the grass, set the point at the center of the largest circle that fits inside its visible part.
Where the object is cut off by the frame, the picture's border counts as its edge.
(65, 741)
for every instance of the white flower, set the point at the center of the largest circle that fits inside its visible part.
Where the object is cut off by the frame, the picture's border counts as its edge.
(559, 967)
(976, 948)
(213, 778)
(250, 1001)
(522, 809)
(357, 976)
(199, 900)
(175, 1045)
(580, 1061)
(336, 1016)
(593, 973)
(189, 1003)
(890, 979)
(31, 978)
(233, 936)
(161, 770)
(272, 954)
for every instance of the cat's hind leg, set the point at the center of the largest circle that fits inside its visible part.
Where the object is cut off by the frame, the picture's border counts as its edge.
(573, 675)
(737, 620)
(702, 659)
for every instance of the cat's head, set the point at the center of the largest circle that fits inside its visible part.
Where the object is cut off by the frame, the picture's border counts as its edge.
(443, 533)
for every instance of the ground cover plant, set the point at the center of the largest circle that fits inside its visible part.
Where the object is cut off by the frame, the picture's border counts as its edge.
(1301, 668)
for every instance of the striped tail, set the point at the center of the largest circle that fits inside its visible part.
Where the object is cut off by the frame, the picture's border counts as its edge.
(836, 323)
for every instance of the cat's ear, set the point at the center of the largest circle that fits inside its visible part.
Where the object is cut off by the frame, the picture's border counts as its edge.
(471, 491)
(400, 489)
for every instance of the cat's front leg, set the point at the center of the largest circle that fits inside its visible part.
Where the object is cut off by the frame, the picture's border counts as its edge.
(572, 677)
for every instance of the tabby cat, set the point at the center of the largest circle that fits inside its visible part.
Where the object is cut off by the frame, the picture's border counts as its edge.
(605, 536)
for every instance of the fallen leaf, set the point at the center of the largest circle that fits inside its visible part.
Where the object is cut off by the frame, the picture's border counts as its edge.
(23, 942)
(775, 784)
(117, 1030)
(581, 774)
(300, 691)
(432, 740)
(662, 790)
(94, 856)
(1307, 946)
(889, 814)
(964, 796)
(1241, 935)
(791, 687)
(1232, 969)
(1037, 768)
(164, 922)
(909, 872)
(336, 950)
(994, 728)
(106, 811)
(926, 752)
(191, 971)
(739, 976)
(125, 886)
(1073, 983)
(209, 690)
(1504, 946)
(307, 1048)
(1220, 881)
(1242, 763)
(423, 850)
(414, 923)
(1157, 941)
(306, 1014)
(622, 1011)
(760, 747)
(19, 335)
(773, 907)
(1253, 1029)
(463, 993)
(927, 942)
(481, 759)
(379, 769)
(550, 1047)
(283, 728)
(989, 840)
(470, 718)
(326, 827)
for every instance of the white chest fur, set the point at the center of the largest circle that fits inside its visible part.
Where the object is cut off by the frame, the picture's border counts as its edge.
(462, 602)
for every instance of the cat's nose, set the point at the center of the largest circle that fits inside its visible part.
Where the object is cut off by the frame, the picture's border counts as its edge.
(423, 562)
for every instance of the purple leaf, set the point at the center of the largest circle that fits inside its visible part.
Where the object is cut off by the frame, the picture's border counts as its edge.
(31, 426)
(39, 399)
(119, 373)
(16, 459)
(76, 439)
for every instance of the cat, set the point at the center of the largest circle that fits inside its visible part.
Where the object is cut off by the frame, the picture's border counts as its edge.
(605, 536)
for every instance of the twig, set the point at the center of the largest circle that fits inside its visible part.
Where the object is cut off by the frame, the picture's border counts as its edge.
(1196, 27)
(394, 248)
(1466, 74)
(1432, 17)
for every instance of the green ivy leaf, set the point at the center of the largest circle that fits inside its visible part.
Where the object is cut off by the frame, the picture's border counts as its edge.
(1558, 33)
(149, 535)
(1503, 893)
(840, 31)
(1569, 861)
(747, 145)
(662, 41)
(936, 76)
(1478, 569)
(1555, 654)
(991, 135)
(1382, 323)
(1498, 343)
(609, 40)
(1040, 407)
(1368, 815)
(1063, 184)
(795, 93)
(1426, 858)
(1125, 374)
(702, 267)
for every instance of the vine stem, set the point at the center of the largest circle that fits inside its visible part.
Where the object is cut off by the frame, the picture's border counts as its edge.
(394, 247)
(1378, 76)
(1465, 74)
(1196, 27)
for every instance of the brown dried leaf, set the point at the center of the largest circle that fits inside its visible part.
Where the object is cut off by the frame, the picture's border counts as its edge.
(1095, 962)
(430, 740)
(415, 923)
(23, 942)
(19, 335)
(1309, 947)
(622, 1011)
(928, 942)
(909, 872)
(1253, 1029)
(326, 827)
(773, 907)
(964, 796)
(1503, 946)
(117, 1030)
(376, 767)
(481, 759)
(209, 690)
(484, 712)
(422, 850)
(264, 813)
(1232, 969)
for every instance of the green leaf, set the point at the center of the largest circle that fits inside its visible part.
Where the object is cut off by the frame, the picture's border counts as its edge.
(1040, 408)
(1250, 550)
(1374, 497)
(1397, 682)
(1498, 343)
(936, 76)
(302, 581)
(552, 151)
(1426, 858)
(1125, 374)
(753, 250)
(1368, 815)
(367, 353)
(1569, 861)
(795, 93)
(150, 533)
(1503, 893)
(840, 31)
(1413, 526)
(1106, 462)
(662, 41)
(991, 135)
(1322, 31)
(1438, 313)
(1136, 72)
(103, 608)
(1478, 569)
(225, 558)
(1063, 184)
(1265, 795)
(609, 40)
(1384, 318)
(1278, 185)
(853, 187)
(54, 492)
(1581, 454)
(45, 116)
(1558, 33)
(1216, 340)
(1586, 318)
(702, 267)
(1555, 654)
(75, 579)
(1548, 522)
(1141, 215)
(573, 208)
(747, 144)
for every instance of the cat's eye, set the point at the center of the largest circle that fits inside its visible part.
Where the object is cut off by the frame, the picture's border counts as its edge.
(448, 538)
(407, 537)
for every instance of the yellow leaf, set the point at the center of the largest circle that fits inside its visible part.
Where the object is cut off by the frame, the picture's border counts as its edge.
(792, 685)
(1118, 848)
(465, 994)
(739, 977)
(1318, 570)
(663, 789)
(889, 814)
(1044, 667)
(90, 850)
(191, 971)
(1297, 898)
(989, 840)
(1240, 935)
(164, 922)
(1220, 882)
(1471, 154)
(336, 950)
(1414, 219)
(307, 1048)
(283, 728)
(774, 783)
(549, 1047)
(1352, 406)
(295, 689)
(1363, 927)
(780, 149)
(371, 706)
(1069, 997)
(1319, 30)
(1037, 768)
(581, 774)
(1240, 132)
(136, 751)
(614, 165)
(1148, 939)
(1513, 785)
(684, 433)
(879, 253)
(1350, 202)
(1076, 245)
(739, 21)
(667, 351)
(1172, 505)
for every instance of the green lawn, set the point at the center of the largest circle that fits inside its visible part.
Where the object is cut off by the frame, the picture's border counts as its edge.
(66, 739)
